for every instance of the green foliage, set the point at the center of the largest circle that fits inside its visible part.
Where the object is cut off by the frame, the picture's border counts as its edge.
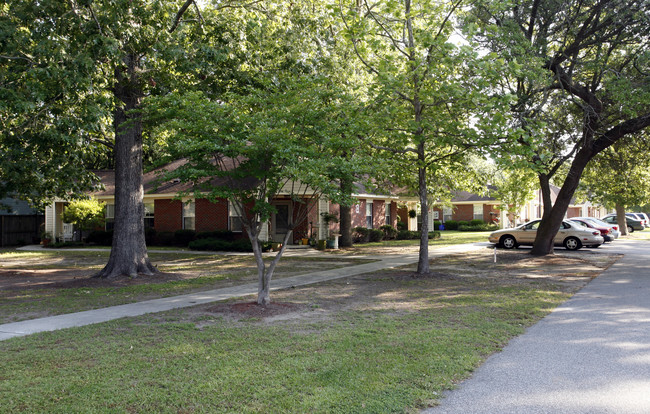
(217, 244)
(226, 235)
(477, 227)
(434, 235)
(620, 175)
(407, 235)
(390, 232)
(100, 237)
(451, 225)
(402, 225)
(476, 222)
(85, 214)
(360, 234)
(375, 235)
(183, 237)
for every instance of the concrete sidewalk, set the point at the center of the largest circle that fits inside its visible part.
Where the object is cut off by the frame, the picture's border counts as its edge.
(590, 355)
(52, 323)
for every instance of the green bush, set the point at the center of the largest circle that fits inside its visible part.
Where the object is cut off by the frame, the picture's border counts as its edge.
(164, 238)
(184, 237)
(62, 245)
(451, 225)
(226, 235)
(463, 223)
(402, 226)
(476, 222)
(389, 231)
(100, 237)
(213, 244)
(360, 234)
(407, 235)
(375, 235)
(478, 227)
(436, 224)
(434, 235)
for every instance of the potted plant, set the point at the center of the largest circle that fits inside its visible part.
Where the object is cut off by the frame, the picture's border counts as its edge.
(276, 246)
(46, 238)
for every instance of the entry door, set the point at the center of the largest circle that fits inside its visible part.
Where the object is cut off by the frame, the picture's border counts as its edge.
(280, 222)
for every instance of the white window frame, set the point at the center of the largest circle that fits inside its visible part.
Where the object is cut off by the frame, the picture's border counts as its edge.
(387, 216)
(370, 208)
(232, 217)
(189, 212)
(447, 213)
(479, 208)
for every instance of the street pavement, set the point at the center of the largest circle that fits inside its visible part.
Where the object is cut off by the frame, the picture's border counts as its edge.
(590, 355)
(70, 320)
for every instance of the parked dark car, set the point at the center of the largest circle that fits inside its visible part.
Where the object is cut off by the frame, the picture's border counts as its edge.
(632, 224)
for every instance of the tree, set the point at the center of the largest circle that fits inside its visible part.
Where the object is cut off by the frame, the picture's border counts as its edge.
(579, 71)
(93, 65)
(514, 188)
(619, 177)
(427, 94)
(250, 149)
(84, 214)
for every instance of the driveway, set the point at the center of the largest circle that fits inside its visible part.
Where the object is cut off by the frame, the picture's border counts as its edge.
(591, 355)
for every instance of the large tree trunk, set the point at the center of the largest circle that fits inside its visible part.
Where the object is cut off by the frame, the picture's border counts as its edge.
(129, 251)
(345, 216)
(621, 219)
(551, 223)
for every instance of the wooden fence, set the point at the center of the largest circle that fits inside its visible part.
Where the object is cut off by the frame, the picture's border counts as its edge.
(20, 230)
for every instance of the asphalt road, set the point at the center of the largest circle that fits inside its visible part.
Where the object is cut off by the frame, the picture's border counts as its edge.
(591, 355)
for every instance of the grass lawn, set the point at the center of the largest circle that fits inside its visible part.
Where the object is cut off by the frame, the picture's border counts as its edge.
(384, 342)
(448, 237)
(38, 284)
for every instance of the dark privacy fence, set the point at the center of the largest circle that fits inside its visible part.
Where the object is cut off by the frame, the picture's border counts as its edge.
(18, 230)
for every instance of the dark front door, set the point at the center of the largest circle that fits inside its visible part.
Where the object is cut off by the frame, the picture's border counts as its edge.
(280, 222)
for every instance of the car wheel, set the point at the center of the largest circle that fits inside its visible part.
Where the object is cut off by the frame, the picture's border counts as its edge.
(630, 229)
(508, 242)
(572, 243)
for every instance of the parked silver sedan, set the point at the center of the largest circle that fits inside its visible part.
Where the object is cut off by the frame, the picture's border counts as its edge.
(572, 236)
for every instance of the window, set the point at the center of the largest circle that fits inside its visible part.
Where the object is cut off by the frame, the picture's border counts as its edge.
(436, 215)
(234, 218)
(110, 217)
(447, 213)
(368, 214)
(189, 217)
(478, 211)
(148, 215)
(387, 208)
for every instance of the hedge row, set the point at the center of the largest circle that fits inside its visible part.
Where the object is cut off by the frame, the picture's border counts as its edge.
(362, 234)
(180, 238)
(472, 225)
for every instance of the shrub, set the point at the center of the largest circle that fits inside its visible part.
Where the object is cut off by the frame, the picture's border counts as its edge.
(65, 244)
(184, 237)
(413, 213)
(407, 235)
(360, 234)
(389, 231)
(436, 224)
(100, 237)
(478, 227)
(226, 235)
(476, 222)
(149, 235)
(463, 223)
(375, 235)
(451, 225)
(214, 244)
(164, 238)
(434, 234)
(402, 226)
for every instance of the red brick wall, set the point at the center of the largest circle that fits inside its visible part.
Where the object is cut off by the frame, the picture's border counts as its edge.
(487, 209)
(359, 219)
(378, 213)
(168, 215)
(393, 214)
(463, 212)
(211, 216)
(573, 212)
(439, 210)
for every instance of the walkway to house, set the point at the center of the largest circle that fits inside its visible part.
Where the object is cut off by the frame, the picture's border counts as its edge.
(52, 323)
(591, 355)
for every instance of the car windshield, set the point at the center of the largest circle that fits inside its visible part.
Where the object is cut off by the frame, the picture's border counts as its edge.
(580, 223)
